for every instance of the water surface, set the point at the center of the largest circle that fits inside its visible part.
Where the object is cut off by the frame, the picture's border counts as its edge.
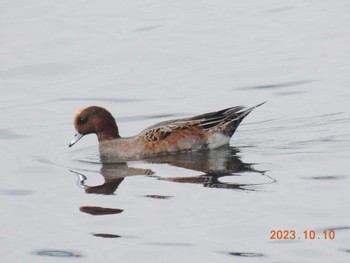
(286, 167)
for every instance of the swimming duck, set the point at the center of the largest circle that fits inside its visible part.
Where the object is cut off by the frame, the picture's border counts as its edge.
(205, 131)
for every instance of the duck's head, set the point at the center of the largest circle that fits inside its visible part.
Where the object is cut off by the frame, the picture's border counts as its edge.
(96, 120)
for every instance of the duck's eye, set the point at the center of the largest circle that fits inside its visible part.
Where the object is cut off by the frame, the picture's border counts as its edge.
(82, 120)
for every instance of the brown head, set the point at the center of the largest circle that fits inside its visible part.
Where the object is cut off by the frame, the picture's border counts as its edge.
(96, 120)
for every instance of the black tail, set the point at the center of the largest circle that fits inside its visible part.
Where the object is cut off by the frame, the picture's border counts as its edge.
(234, 119)
(224, 121)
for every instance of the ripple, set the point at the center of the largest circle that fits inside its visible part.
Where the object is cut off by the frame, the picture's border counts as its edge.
(326, 178)
(97, 211)
(159, 196)
(57, 253)
(246, 254)
(278, 85)
(146, 28)
(105, 235)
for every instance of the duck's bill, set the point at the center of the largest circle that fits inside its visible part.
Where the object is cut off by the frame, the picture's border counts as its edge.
(76, 138)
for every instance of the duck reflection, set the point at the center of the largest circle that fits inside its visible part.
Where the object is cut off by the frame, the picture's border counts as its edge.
(221, 162)
(214, 165)
(113, 174)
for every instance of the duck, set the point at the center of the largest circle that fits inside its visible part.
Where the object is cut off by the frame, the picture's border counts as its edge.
(201, 132)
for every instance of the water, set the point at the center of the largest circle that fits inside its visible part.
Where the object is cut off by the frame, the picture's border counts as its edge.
(286, 168)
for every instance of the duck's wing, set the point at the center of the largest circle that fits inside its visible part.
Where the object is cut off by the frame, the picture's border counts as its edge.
(225, 121)
(162, 130)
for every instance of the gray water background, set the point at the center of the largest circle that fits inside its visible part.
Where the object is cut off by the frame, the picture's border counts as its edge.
(149, 61)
